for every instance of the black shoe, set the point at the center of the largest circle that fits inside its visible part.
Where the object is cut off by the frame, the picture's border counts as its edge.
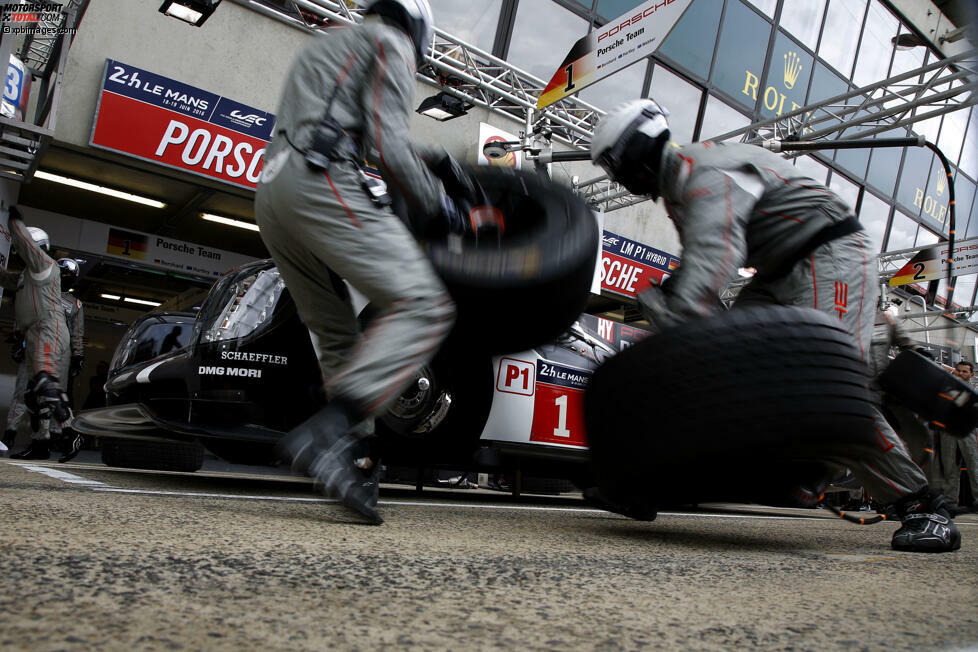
(335, 474)
(8, 438)
(74, 445)
(37, 450)
(593, 497)
(927, 525)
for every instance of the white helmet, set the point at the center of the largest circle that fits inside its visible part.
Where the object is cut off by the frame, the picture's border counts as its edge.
(413, 16)
(628, 145)
(40, 237)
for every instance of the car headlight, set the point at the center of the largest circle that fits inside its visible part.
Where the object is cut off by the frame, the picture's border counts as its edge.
(252, 303)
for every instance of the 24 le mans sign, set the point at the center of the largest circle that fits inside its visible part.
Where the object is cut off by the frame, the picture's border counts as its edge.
(165, 121)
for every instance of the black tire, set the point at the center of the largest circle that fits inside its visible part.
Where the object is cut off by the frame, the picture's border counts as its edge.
(746, 405)
(153, 455)
(530, 285)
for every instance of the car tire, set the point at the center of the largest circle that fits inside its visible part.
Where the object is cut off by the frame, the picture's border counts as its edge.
(532, 283)
(745, 405)
(152, 455)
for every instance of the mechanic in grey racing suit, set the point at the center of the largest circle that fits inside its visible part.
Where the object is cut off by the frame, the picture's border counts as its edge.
(349, 94)
(39, 315)
(74, 315)
(736, 205)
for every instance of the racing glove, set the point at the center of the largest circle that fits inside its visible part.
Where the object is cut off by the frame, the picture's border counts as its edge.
(452, 217)
(76, 365)
(458, 184)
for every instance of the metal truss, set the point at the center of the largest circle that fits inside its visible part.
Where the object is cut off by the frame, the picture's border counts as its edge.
(473, 75)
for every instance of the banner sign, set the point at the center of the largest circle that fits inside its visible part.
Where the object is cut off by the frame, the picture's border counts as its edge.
(621, 42)
(16, 90)
(627, 266)
(169, 254)
(931, 264)
(164, 121)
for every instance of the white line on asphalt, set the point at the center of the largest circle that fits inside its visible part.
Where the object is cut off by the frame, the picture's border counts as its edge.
(60, 475)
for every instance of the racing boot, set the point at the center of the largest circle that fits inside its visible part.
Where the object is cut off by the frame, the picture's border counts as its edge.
(927, 525)
(37, 450)
(594, 497)
(323, 448)
(72, 444)
(8, 438)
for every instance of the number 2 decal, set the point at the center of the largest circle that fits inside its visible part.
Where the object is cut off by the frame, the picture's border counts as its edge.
(918, 271)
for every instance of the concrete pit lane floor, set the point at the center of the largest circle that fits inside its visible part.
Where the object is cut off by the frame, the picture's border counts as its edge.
(93, 558)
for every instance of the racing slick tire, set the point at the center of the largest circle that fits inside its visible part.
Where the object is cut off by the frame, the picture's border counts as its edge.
(747, 405)
(527, 286)
(152, 455)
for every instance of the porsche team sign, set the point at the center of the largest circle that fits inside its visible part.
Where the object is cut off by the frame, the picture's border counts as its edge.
(616, 45)
(165, 121)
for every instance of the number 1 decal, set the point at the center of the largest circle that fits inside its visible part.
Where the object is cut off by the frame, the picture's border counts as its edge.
(570, 78)
(561, 429)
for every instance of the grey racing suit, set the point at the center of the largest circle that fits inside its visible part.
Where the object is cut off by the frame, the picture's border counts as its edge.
(76, 328)
(737, 205)
(38, 312)
(320, 226)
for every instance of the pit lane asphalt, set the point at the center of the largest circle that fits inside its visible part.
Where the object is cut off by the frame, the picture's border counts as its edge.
(97, 558)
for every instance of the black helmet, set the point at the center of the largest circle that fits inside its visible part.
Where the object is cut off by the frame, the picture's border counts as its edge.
(628, 144)
(69, 273)
(413, 16)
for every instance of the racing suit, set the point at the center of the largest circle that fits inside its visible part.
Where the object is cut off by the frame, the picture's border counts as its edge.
(38, 312)
(736, 205)
(321, 227)
(75, 319)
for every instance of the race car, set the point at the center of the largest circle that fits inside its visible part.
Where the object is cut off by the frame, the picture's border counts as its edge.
(236, 376)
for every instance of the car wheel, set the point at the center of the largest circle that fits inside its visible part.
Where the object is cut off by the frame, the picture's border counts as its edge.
(153, 455)
(527, 286)
(746, 405)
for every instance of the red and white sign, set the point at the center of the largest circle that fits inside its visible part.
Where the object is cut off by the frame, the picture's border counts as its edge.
(164, 121)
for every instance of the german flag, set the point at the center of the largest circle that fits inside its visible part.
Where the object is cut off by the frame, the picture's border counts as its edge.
(673, 264)
(127, 243)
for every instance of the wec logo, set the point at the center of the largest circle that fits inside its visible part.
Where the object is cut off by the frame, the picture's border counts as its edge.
(251, 118)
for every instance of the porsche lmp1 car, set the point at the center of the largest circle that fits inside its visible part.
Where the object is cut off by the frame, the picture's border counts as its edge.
(236, 376)
(241, 372)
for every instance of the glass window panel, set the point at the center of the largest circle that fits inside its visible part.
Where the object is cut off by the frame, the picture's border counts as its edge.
(474, 22)
(907, 60)
(719, 118)
(766, 6)
(884, 164)
(843, 21)
(609, 9)
(873, 215)
(936, 198)
(853, 160)
(969, 152)
(812, 168)
(953, 129)
(903, 233)
(787, 78)
(620, 87)
(826, 84)
(925, 237)
(972, 219)
(876, 48)
(964, 290)
(916, 167)
(683, 102)
(541, 56)
(691, 41)
(803, 20)
(964, 194)
(740, 53)
(848, 191)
